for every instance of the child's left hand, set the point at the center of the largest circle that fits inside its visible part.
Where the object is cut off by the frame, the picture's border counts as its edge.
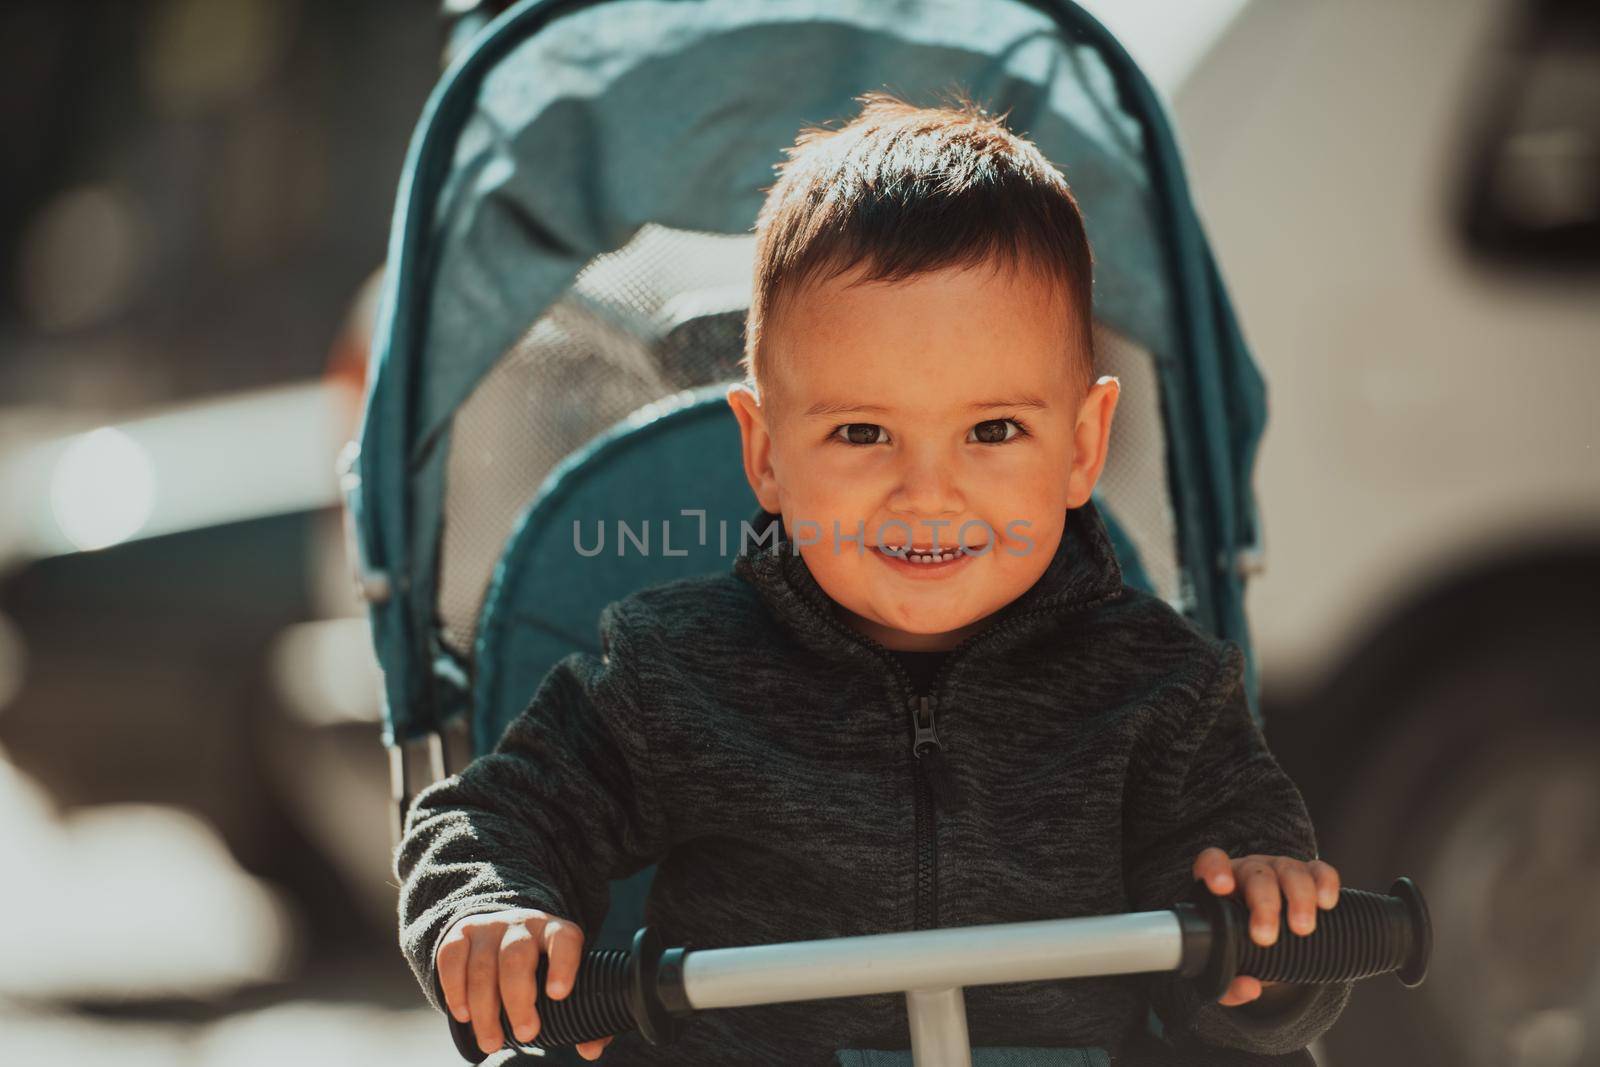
(1308, 886)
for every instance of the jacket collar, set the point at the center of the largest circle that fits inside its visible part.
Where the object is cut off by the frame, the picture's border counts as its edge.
(1083, 572)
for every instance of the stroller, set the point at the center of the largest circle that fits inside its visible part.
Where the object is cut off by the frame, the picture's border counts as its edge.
(568, 274)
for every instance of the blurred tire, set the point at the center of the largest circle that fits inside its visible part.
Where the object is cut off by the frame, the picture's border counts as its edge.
(1477, 773)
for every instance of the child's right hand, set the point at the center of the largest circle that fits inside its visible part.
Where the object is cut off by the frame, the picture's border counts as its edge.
(492, 958)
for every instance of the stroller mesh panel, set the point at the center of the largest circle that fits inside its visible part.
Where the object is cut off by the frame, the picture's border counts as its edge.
(666, 313)
(662, 314)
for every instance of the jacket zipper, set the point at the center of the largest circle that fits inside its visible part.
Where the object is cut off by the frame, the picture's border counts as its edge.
(929, 751)
(925, 910)
(935, 791)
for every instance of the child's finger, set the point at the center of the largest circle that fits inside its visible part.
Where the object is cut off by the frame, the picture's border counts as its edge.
(1301, 893)
(1243, 989)
(1263, 897)
(590, 1050)
(1327, 879)
(451, 963)
(1215, 868)
(519, 961)
(563, 944)
(483, 990)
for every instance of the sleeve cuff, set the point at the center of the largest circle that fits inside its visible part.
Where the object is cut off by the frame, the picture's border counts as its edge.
(1285, 1028)
(1275, 1004)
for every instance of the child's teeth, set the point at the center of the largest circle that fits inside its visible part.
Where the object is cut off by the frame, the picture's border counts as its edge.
(914, 556)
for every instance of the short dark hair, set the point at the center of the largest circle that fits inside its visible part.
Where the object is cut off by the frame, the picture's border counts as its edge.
(906, 190)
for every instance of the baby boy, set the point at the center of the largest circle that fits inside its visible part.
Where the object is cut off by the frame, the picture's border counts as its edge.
(923, 697)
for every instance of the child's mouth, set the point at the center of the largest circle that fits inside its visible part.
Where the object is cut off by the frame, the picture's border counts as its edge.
(927, 561)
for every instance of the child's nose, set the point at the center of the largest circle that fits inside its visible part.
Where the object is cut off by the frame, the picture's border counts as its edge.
(927, 487)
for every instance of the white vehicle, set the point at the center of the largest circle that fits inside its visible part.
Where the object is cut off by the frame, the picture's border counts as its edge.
(1405, 201)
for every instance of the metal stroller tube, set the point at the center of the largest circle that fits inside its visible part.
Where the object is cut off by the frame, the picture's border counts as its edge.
(1203, 938)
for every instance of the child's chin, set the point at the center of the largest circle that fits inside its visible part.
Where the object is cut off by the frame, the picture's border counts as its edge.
(927, 624)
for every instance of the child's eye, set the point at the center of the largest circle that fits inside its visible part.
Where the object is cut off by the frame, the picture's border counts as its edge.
(862, 433)
(996, 431)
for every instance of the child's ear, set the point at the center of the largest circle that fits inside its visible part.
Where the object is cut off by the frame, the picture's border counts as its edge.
(757, 442)
(1089, 438)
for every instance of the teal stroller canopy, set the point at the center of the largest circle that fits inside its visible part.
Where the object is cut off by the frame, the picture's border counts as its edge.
(568, 273)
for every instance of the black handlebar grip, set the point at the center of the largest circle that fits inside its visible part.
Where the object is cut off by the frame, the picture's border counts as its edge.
(1363, 935)
(615, 991)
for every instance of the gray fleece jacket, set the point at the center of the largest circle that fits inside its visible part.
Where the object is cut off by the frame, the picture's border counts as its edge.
(1091, 742)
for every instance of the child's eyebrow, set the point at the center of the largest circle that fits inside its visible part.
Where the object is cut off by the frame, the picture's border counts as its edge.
(837, 407)
(1010, 402)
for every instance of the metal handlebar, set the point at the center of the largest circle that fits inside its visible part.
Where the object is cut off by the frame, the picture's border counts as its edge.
(1203, 938)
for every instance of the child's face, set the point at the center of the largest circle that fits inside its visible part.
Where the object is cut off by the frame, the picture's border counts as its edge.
(941, 410)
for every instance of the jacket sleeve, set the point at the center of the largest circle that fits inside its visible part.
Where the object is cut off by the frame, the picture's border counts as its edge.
(1207, 778)
(563, 804)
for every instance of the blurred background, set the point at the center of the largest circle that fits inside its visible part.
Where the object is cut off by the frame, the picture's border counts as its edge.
(194, 803)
